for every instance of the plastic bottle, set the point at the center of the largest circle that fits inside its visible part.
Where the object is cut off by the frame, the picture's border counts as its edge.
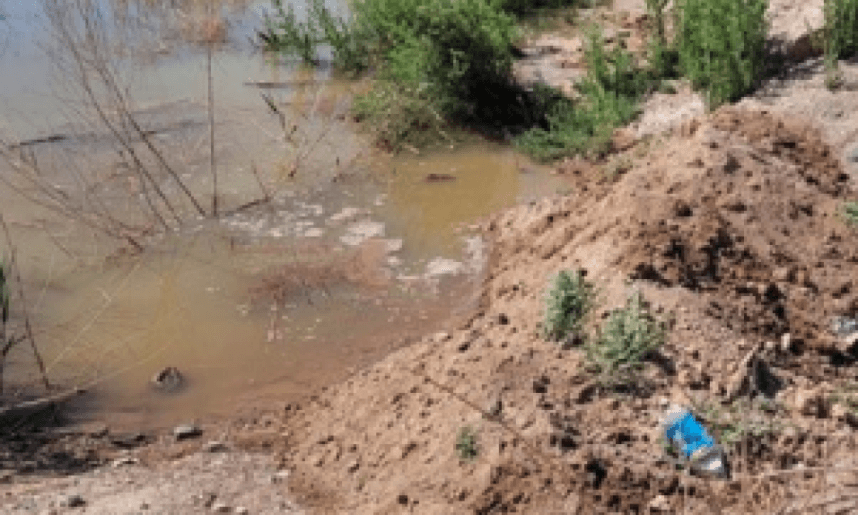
(685, 432)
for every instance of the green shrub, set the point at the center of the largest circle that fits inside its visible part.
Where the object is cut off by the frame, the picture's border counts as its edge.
(284, 33)
(569, 302)
(849, 211)
(625, 339)
(610, 93)
(720, 45)
(466, 444)
(841, 27)
(400, 114)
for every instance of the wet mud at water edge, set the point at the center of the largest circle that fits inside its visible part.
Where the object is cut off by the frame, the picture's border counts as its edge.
(325, 255)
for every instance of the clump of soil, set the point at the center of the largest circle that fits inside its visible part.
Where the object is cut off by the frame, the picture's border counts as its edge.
(730, 231)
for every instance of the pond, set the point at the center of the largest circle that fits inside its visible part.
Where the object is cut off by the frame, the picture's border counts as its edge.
(325, 256)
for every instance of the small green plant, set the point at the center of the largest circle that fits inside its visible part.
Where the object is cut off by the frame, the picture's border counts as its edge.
(748, 418)
(610, 95)
(721, 46)
(569, 301)
(626, 338)
(466, 444)
(841, 28)
(849, 212)
(284, 33)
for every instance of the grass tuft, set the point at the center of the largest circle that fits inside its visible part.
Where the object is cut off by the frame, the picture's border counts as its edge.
(721, 46)
(570, 300)
(466, 444)
(849, 211)
(628, 336)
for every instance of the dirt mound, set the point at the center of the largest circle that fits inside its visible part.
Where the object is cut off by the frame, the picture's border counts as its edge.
(729, 230)
(749, 221)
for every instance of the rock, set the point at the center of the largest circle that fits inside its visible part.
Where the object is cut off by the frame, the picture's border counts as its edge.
(803, 48)
(786, 342)
(623, 139)
(168, 380)
(215, 446)
(206, 499)
(128, 440)
(73, 501)
(241, 510)
(125, 460)
(186, 431)
(280, 476)
(441, 336)
(660, 503)
(809, 402)
(219, 507)
(439, 177)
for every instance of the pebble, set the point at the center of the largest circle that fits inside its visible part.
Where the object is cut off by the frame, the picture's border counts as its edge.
(241, 510)
(279, 477)
(659, 503)
(126, 460)
(73, 501)
(185, 431)
(215, 446)
(220, 507)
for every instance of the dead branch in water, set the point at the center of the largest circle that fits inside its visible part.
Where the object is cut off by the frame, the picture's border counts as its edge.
(27, 327)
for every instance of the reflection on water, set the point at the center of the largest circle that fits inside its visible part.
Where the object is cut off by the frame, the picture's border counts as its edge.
(290, 294)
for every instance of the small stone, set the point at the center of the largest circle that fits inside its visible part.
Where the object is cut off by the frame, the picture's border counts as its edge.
(441, 336)
(781, 274)
(186, 431)
(402, 499)
(73, 501)
(809, 402)
(839, 412)
(215, 446)
(353, 467)
(206, 499)
(125, 460)
(660, 503)
(280, 476)
(144, 506)
(241, 510)
(220, 507)
(786, 342)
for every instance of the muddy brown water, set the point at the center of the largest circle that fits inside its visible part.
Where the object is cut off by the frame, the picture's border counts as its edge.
(355, 254)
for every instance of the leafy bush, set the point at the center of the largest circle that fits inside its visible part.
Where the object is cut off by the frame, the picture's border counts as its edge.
(626, 338)
(284, 33)
(400, 114)
(611, 92)
(841, 27)
(466, 444)
(569, 301)
(720, 45)
(849, 212)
